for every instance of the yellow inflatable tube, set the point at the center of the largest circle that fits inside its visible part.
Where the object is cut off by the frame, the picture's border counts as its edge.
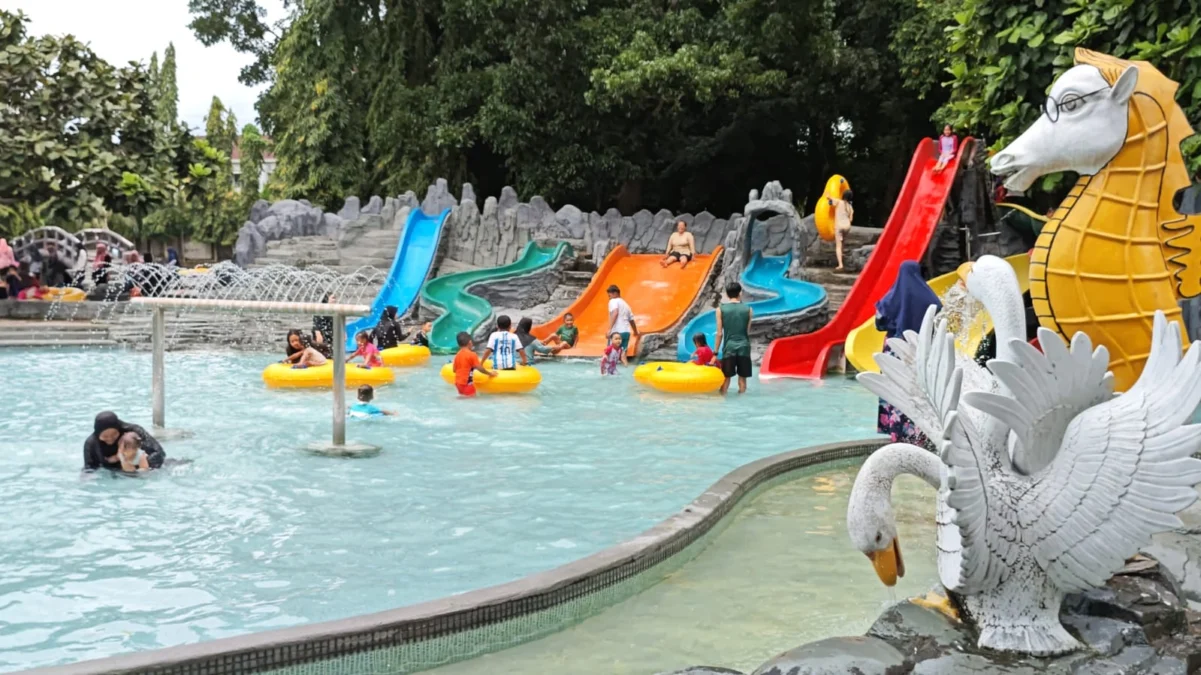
(65, 294)
(405, 355)
(823, 212)
(679, 378)
(520, 381)
(283, 375)
(865, 341)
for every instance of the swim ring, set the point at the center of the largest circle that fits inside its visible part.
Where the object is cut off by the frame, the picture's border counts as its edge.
(283, 375)
(65, 294)
(520, 381)
(823, 214)
(679, 378)
(405, 355)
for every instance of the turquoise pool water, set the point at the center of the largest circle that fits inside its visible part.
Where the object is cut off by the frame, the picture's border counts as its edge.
(256, 534)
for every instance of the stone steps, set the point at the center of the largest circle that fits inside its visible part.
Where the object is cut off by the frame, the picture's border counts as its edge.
(54, 333)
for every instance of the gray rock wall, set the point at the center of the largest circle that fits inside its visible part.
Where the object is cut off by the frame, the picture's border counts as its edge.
(495, 233)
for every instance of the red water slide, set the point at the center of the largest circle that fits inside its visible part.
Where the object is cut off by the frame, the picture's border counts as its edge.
(905, 237)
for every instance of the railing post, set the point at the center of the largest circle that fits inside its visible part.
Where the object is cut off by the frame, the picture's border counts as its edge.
(157, 387)
(339, 352)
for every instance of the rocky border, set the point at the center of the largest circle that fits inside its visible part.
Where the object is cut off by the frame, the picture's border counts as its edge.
(311, 643)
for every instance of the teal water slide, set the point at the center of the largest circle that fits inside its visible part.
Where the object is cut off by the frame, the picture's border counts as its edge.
(414, 256)
(462, 311)
(764, 275)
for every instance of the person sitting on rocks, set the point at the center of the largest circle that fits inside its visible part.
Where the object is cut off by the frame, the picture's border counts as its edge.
(681, 247)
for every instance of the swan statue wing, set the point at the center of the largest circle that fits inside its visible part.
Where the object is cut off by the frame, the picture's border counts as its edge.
(1049, 389)
(977, 490)
(1125, 469)
(916, 376)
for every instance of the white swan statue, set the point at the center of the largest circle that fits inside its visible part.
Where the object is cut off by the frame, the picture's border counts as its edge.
(1046, 484)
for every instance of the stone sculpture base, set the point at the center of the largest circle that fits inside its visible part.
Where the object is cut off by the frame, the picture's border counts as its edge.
(350, 450)
(1138, 623)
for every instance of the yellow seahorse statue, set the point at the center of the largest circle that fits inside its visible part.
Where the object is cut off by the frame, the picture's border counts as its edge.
(1115, 251)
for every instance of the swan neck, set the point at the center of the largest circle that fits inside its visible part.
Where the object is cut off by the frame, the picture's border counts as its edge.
(884, 465)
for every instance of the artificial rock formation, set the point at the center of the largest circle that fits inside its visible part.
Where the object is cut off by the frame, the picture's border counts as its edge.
(771, 225)
(1137, 624)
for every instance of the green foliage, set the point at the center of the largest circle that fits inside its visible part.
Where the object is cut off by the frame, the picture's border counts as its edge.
(71, 127)
(241, 23)
(683, 105)
(167, 91)
(251, 145)
(1005, 55)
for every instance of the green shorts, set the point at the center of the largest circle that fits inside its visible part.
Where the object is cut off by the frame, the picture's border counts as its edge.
(625, 340)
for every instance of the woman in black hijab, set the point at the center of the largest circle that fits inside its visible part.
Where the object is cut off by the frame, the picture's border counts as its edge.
(323, 330)
(389, 332)
(100, 450)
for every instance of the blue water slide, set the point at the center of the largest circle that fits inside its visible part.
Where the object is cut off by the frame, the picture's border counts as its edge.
(764, 275)
(414, 255)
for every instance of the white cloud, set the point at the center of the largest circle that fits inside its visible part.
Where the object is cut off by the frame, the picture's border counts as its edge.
(130, 30)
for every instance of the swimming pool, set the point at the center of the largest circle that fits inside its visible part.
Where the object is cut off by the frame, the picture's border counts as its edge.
(257, 534)
(780, 573)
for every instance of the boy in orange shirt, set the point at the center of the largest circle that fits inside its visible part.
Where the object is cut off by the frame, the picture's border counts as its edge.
(465, 365)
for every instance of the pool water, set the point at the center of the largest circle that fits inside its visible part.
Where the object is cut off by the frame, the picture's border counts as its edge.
(781, 574)
(256, 534)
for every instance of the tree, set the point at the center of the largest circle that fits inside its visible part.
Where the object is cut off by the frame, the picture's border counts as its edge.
(71, 127)
(683, 105)
(251, 146)
(1003, 56)
(167, 94)
(241, 23)
(217, 127)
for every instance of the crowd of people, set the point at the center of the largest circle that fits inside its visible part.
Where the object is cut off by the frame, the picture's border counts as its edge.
(51, 267)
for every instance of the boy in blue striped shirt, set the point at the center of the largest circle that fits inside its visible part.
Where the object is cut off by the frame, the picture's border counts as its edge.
(504, 347)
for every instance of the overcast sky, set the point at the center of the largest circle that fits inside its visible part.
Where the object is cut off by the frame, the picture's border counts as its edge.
(131, 30)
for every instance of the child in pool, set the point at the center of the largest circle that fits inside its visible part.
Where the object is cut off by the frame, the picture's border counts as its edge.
(367, 350)
(466, 364)
(422, 338)
(703, 356)
(614, 354)
(365, 408)
(129, 449)
(300, 353)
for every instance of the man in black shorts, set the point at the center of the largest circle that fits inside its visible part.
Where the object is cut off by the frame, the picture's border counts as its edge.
(733, 324)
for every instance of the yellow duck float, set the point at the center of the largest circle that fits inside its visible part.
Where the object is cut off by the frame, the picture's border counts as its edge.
(1115, 251)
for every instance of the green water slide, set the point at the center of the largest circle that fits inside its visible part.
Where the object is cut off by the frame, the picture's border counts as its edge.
(462, 311)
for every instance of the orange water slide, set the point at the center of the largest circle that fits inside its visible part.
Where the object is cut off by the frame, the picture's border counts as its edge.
(659, 297)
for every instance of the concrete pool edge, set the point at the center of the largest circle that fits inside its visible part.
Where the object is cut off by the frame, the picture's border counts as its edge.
(435, 620)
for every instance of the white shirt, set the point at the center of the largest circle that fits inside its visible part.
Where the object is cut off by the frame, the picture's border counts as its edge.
(624, 315)
(504, 346)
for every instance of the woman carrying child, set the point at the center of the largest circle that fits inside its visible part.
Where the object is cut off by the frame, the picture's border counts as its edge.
(100, 450)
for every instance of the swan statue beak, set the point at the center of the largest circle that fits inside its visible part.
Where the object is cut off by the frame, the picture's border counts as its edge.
(888, 563)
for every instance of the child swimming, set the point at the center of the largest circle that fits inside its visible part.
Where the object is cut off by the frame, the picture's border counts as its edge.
(367, 350)
(365, 408)
(466, 364)
(129, 449)
(703, 356)
(614, 354)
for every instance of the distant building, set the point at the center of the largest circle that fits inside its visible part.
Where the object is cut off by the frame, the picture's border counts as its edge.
(236, 166)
